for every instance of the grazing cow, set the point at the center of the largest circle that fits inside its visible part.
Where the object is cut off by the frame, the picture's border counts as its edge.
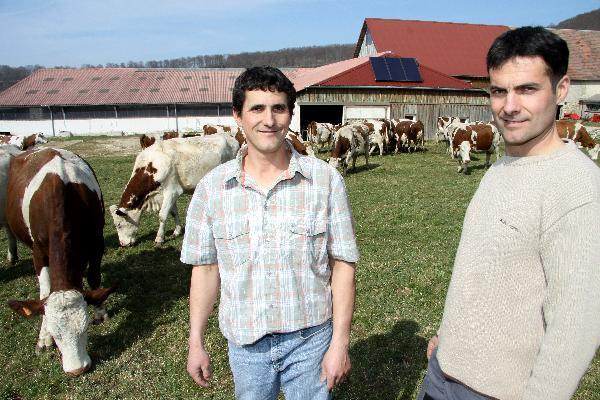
(302, 147)
(24, 142)
(351, 141)
(443, 123)
(482, 138)
(320, 133)
(409, 134)
(7, 153)
(210, 129)
(54, 205)
(163, 172)
(575, 131)
(378, 134)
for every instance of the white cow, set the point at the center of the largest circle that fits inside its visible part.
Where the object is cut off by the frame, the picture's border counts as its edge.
(161, 173)
(320, 133)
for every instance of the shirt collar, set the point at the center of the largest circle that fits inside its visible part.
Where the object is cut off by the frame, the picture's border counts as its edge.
(297, 164)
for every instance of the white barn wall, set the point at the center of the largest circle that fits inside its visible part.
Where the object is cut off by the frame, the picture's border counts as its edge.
(105, 126)
(580, 90)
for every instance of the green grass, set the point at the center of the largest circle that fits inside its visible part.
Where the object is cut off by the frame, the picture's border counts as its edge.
(408, 212)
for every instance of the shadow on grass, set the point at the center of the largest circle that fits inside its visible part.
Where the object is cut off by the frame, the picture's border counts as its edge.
(363, 167)
(22, 268)
(386, 365)
(149, 284)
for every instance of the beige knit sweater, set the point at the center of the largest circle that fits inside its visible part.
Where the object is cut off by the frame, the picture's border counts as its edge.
(522, 313)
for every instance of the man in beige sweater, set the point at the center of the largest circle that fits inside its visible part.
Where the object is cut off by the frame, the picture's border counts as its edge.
(522, 313)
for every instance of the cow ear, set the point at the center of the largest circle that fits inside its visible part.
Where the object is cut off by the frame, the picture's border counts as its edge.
(27, 308)
(97, 296)
(120, 212)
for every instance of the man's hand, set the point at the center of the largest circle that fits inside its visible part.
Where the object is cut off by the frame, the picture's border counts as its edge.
(198, 365)
(335, 366)
(433, 343)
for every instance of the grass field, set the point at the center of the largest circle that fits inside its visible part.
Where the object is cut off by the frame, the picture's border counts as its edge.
(408, 211)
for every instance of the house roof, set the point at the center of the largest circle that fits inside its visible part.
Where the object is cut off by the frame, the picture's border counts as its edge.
(584, 53)
(453, 48)
(358, 72)
(96, 86)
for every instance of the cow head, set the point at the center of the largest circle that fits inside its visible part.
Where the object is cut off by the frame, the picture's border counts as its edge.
(67, 320)
(127, 223)
(464, 156)
(40, 138)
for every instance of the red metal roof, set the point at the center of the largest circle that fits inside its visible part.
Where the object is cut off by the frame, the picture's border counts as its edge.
(453, 48)
(97, 86)
(358, 72)
(584, 53)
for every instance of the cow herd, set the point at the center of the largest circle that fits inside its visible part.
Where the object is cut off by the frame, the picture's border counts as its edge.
(51, 201)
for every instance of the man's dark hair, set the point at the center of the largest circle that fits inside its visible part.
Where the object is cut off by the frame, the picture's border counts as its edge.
(531, 41)
(263, 78)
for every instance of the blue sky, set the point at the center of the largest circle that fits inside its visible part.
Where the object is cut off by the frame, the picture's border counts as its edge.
(76, 32)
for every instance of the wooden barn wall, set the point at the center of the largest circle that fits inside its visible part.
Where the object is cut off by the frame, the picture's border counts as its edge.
(428, 105)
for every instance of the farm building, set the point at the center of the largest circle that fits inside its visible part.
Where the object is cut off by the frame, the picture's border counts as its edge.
(401, 69)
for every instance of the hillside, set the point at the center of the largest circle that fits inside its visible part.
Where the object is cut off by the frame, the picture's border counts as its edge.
(586, 21)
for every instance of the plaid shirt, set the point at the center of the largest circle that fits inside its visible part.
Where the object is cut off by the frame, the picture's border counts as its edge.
(273, 248)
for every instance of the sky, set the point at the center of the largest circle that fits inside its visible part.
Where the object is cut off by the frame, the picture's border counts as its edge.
(77, 32)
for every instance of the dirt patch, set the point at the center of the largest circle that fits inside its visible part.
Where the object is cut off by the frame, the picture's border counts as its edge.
(99, 147)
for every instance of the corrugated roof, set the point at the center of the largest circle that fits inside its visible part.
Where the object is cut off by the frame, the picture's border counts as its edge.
(98, 86)
(584, 53)
(453, 48)
(358, 72)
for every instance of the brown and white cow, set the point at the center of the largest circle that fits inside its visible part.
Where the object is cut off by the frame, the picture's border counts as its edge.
(54, 205)
(443, 123)
(320, 133)
(24, 142)
(481, 137)
(7, 153)
(409, 134)
(161, 173)
(378, 134)
(351, 141)
(575, 131)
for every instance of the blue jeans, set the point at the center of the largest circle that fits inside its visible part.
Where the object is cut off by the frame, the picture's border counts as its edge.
(436, 386)
(287, 361)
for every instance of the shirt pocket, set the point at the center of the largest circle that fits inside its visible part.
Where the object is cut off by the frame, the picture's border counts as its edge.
(308, 245)
(232, 241)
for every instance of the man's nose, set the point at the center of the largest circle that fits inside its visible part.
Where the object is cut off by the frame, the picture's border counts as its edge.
(269, 117)
(511, 103)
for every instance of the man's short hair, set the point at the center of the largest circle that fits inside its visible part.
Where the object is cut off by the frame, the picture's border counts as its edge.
(263, 78)
(531, 41)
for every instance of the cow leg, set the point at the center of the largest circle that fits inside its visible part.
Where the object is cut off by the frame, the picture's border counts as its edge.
(94, 277)
(45, 340)
(178, 228)
(487, 159)
(372, 149)
(163, 214)
(11, 254)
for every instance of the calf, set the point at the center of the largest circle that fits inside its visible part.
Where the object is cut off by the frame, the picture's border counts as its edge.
(351, 141)
(54, 205)
(575, 131)
(162, 173)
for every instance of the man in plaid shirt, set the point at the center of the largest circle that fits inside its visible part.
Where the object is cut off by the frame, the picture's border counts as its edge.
(272, 230)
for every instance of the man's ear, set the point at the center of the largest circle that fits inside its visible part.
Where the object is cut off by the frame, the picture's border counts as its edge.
(27, 308)
(238, 118)
(562, 89)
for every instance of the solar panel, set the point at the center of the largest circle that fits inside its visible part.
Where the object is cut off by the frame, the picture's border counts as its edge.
(391, 69)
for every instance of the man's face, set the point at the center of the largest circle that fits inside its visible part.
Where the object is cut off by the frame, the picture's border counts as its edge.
(524, 104)
(265, 119)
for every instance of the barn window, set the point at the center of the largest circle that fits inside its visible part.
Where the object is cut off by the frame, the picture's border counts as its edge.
(83, 91)
(187, 77)
(154, 90)
(48, 79)
(142, 112)
(96, 78)
(185, 89)
(203, 89)
(67, 79)
(160, 78)
(53, 91)
(463, 120)
(205, 77)
(31, 91)
(141, 78)
(412, 117)
(103, 91)
(134, 90)
(91, 112)
(205, 110)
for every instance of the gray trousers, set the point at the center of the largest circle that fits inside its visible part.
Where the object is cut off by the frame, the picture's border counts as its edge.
(437, 387)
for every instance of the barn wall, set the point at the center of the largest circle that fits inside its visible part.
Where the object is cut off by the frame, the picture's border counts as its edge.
(91, 127)
(427, 105)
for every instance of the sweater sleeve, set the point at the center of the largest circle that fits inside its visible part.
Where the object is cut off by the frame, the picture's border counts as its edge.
(571, 261)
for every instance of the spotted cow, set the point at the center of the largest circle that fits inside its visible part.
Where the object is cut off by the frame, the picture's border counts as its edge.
(54, 205)
(320, 133)
(351, 141)
(409, 135)
(476, 137)
(23, 142)
(161, 173)
(575, 131)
